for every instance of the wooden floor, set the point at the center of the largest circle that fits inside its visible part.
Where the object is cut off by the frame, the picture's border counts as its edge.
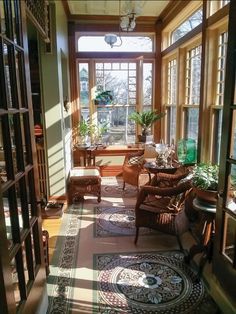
(53, 227)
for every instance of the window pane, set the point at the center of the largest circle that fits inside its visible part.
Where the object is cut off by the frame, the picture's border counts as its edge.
(216, 5)
(171, 124)
(217, 135)
(15, 281)
(192, 21)
(222, 47)
(229, 238)
(147, 85)
(7, 219)
(7, 64)
(233, 137)
(171, 100)
(193, 75)
(129, 43)
(192, 123)
(120, 81)
(84, 84)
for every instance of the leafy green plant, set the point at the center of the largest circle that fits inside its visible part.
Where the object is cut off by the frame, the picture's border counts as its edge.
(102, 129)
(205, 176)
(83, 128)
(146, 119)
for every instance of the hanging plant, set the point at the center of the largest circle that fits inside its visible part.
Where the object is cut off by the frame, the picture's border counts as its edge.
(104, 98)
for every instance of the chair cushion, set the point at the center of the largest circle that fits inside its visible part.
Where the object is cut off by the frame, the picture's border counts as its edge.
(84, 173)
(136, 160)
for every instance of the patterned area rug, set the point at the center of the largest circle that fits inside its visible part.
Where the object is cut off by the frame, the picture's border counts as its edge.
(148, 283)
(116, 221)
(62, 267)
(114, 187)
(85, 277)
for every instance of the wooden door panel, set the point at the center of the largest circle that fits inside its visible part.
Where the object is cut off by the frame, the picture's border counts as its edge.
(22, 271)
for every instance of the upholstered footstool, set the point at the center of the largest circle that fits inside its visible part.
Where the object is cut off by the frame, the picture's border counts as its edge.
(83, 181)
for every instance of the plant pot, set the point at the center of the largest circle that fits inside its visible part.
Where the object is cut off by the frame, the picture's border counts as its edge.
(142, 138)
(206, 196)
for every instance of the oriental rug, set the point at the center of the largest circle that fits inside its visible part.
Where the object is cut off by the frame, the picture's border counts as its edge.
(109, 274)
(148, 283)
(116, 221)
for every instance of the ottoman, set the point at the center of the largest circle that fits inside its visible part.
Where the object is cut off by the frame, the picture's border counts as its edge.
(84, 181)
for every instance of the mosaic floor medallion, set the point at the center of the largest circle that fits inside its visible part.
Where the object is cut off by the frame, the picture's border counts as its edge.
(111, 221)
(147, 283)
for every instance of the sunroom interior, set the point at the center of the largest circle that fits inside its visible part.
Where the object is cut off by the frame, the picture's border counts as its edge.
(58, 58)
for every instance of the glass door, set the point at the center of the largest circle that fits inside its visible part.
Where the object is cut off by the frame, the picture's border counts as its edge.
(22, 270)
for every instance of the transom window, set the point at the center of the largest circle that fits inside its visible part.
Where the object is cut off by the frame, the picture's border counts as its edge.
(194, 20)
(126, 44)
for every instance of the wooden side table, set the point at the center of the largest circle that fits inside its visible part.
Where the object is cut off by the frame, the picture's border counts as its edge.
(205, 246)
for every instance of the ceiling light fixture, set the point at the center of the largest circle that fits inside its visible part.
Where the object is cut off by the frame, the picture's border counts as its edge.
(127, 21)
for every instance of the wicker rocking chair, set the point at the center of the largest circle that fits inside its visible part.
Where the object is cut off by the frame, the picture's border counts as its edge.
(163, 208)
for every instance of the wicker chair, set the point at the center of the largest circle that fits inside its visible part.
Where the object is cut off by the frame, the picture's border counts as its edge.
(163, 208)
(132, 168)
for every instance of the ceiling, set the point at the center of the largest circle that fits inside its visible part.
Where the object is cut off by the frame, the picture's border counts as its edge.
(110, 7)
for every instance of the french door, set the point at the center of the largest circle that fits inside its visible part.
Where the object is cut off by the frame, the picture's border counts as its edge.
(22, 274)
(224, 261)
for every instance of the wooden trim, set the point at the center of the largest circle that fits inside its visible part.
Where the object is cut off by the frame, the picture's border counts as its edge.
(202, 83)
(197, 30)
(73, 76)
(172, 10)
(114, 55)
(157, 81)
(117, 150)
(88, 18)
(101, 27)
(66, 8)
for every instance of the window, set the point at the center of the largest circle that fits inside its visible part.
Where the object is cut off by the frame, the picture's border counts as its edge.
(84, 89)
(217, 5)
(147, 86)
(192, 92)
(219, 98)
(121, 79)
(189, 24)
(129, 44)
(118, 79)
(222, 46)
(171, 100)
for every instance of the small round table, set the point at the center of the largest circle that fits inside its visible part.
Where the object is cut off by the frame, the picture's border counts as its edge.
(205, 245)
(152, 168)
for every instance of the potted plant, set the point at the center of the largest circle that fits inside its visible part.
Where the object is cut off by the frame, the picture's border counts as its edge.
(145, 119)
(84, 131)
(205, 182)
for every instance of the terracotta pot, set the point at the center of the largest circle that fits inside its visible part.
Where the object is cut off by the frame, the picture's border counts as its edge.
(206, 196)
